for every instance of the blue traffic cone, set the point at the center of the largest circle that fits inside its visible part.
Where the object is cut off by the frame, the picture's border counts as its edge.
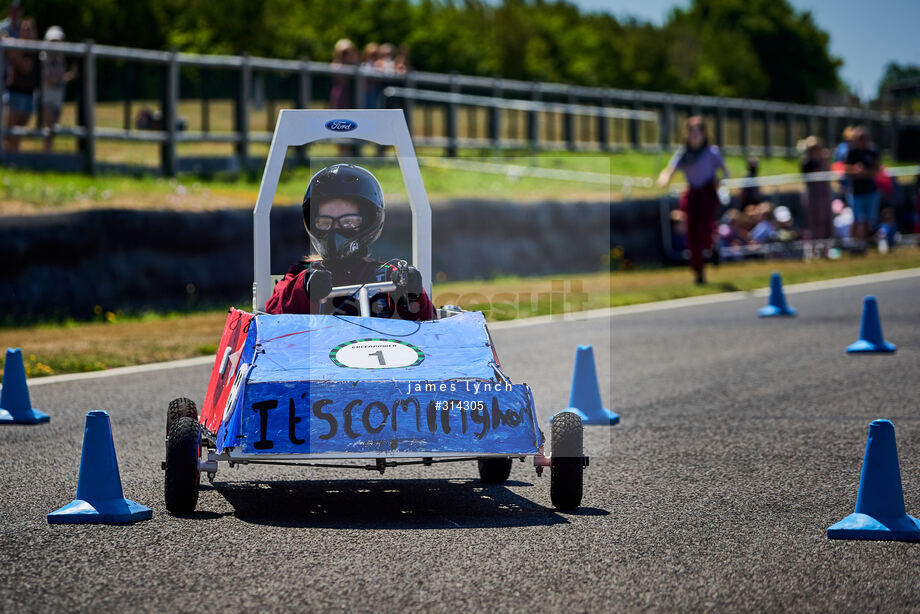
(880, 501)
(15, 405)
(871, 338)
(99, 495)
(776, 304)
(585, 399)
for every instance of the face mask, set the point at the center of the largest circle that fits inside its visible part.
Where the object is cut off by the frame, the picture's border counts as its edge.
(337, 247)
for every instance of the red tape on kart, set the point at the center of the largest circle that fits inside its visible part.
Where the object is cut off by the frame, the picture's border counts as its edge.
(235, 330)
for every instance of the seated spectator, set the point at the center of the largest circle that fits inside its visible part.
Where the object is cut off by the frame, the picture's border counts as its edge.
(764, 231)
(785, 226)
(843, 219)
(733, 235)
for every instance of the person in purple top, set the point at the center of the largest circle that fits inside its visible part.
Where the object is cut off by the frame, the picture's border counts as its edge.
(700, 163)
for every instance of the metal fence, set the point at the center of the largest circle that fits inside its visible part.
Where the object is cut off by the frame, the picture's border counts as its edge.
(519, 114)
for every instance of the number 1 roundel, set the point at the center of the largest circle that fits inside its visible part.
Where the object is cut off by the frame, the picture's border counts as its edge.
(376, 354)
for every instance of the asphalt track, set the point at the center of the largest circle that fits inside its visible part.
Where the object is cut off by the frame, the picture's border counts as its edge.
(741, 441)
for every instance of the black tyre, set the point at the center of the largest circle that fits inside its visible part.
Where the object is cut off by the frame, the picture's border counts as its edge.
(494, 470)
(183, 447)
(180, 408)
(566, 473)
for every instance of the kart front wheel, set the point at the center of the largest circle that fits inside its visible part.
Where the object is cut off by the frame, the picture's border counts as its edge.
(183, 449)
(494, 470)
(180, 408)
(566, 471)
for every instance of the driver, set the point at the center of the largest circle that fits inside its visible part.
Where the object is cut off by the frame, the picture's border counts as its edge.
(343, 212)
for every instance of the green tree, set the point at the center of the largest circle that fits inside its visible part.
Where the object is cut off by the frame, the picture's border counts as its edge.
(747, 48)
(752, 48)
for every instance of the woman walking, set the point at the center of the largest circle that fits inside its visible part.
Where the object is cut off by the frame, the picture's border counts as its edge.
(699, 161)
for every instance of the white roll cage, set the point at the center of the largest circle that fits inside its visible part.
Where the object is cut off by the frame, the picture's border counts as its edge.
(296, 127)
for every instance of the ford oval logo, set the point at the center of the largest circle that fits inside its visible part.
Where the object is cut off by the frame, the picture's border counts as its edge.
(341, 125)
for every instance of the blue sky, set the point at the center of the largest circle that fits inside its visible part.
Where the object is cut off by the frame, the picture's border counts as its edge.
(866, 35)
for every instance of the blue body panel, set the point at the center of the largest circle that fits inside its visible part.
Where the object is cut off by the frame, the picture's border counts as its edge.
(301, 393)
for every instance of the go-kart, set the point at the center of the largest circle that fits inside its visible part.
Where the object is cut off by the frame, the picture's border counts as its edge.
(321, 390)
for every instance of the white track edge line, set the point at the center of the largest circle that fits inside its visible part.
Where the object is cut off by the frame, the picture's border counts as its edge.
(579, 316)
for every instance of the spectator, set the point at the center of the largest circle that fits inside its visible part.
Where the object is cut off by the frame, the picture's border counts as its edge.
(371, 89)
(370, 54)
(385, 55)
(861, 166)
(345, 54)
(785, 226)
(699, 162)
(843, 219)
(9, 27)
(733, 234)
(840, 155)
(750, 195)
(22, 80)
(340, 95)
(401, 60)
(840, 152)
(11, 24)
(816, 159)
(764, 231)
(55, 76)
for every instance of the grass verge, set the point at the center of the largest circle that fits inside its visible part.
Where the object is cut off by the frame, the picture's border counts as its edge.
(77, 347)
(24, 192)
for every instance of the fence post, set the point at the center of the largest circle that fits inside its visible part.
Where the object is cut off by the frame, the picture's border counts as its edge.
(359, 98)
(829, 128)
(495, 117)
(635, 138)
(304, 94)
(666, 126)
(533, 119)
(745, 127)
(129, 95)
(88, 109)
(768, 123)
(893, 133)
(568, 121)
(812, 124)
(603, 133)
(168, 159)
(409, 103)
(452, 109)
(790, 146)
(205, 102)
(241, 113)
(721, 117)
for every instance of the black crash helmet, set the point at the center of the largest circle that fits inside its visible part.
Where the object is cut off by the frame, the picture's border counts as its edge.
(352, 183)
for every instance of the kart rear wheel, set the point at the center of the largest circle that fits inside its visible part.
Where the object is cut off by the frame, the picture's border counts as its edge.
(183, 449)
(494, 470)
(567, 468)
(180, 408)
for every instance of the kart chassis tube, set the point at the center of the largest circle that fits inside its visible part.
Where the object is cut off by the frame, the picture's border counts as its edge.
(297, 127)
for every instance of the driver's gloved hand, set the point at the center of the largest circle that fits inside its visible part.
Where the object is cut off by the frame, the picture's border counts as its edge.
(414, 281)
(317, 284)
(408, 279)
